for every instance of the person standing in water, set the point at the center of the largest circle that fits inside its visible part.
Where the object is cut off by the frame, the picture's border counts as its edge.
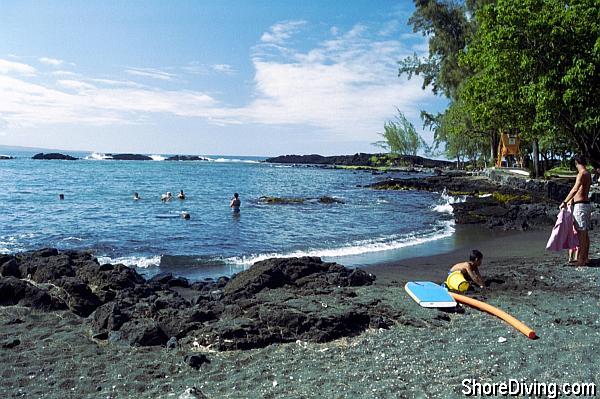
(181, 195)
(136, 197)
(235, 202)
(582, 209)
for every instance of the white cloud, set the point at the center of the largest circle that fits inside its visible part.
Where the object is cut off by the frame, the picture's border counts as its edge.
(51, 61)
(75, 84)
(280, 32)
(389, 28)
(346, 85)
(7, 67)
(150, 73)
(114, 82)
(74, 101)
(61, 72)
(198, 68)
(223, 68)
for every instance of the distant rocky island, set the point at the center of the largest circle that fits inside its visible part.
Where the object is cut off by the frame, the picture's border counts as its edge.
(362, 159)
(186, 158)
(114, 157)
(54, 156)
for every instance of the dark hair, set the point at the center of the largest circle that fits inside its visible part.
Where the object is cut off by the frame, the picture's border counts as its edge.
(580, 159)
(475, 255)
(236, 195)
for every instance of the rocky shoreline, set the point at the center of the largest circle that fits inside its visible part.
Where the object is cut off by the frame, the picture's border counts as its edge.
(488, 202)
(276, 300)
(361, 159)
(387, 346)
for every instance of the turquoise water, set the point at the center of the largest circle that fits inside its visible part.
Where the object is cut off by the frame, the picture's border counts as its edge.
(98, 213)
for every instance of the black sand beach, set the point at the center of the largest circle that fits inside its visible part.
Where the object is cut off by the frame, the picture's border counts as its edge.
(426, 353)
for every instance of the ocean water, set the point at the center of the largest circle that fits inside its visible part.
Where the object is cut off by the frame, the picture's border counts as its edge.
(98, 213)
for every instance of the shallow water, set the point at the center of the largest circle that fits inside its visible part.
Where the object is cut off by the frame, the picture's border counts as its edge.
(98, 213)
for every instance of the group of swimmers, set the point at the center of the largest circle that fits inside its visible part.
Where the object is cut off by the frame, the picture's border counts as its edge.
(234, 204)
(168, 196)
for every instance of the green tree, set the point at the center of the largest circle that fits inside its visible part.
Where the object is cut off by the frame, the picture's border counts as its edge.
(459, 137)
(400, 137)
(449, 26)
(535, 70)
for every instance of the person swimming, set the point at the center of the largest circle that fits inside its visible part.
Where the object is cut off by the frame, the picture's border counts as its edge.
(235, 202)
(166, 197)
(136, 196)
(181, 195)
(61, 196)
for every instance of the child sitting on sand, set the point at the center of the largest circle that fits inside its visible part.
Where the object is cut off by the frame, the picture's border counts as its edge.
(470, 269)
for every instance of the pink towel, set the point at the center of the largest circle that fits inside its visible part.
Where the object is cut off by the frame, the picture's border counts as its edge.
(563, 235)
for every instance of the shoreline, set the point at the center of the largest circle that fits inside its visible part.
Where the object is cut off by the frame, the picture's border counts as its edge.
(434, 264)
(57, 356)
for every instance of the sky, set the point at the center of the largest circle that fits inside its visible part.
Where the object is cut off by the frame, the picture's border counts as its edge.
(207, 77)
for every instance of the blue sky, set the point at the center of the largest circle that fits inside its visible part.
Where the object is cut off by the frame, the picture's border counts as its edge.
(206, 77)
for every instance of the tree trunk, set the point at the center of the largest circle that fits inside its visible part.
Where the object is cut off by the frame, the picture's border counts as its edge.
(536, 159)
(494, 141)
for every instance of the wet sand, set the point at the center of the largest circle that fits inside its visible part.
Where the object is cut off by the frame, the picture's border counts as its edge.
(425, 356)
(495, 246)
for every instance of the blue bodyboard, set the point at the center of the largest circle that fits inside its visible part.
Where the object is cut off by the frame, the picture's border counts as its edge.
(429, 294)
(169, 216)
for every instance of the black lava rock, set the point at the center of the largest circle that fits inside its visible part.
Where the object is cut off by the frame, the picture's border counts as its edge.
(53, 156)
(195, 361)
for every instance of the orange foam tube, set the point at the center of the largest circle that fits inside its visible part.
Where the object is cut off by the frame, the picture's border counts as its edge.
(529, 333)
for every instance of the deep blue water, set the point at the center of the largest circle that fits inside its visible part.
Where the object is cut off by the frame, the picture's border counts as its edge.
(98, 213)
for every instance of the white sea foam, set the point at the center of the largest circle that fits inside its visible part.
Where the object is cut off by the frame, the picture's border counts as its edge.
(72, 239)
(445, 229)
(14, 243)
(97, 156)
(135, 261)
(446, 201)
(157, 157)
(231, 160)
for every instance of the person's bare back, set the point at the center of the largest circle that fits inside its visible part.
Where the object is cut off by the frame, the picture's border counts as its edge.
(470, 269)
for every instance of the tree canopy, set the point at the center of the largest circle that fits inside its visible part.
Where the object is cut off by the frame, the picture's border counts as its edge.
(400, 137)
(528, 66)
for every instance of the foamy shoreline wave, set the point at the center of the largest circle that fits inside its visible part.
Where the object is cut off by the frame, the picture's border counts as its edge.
(444, 229)
(446, 203)
(134, 261)
(97, 156)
